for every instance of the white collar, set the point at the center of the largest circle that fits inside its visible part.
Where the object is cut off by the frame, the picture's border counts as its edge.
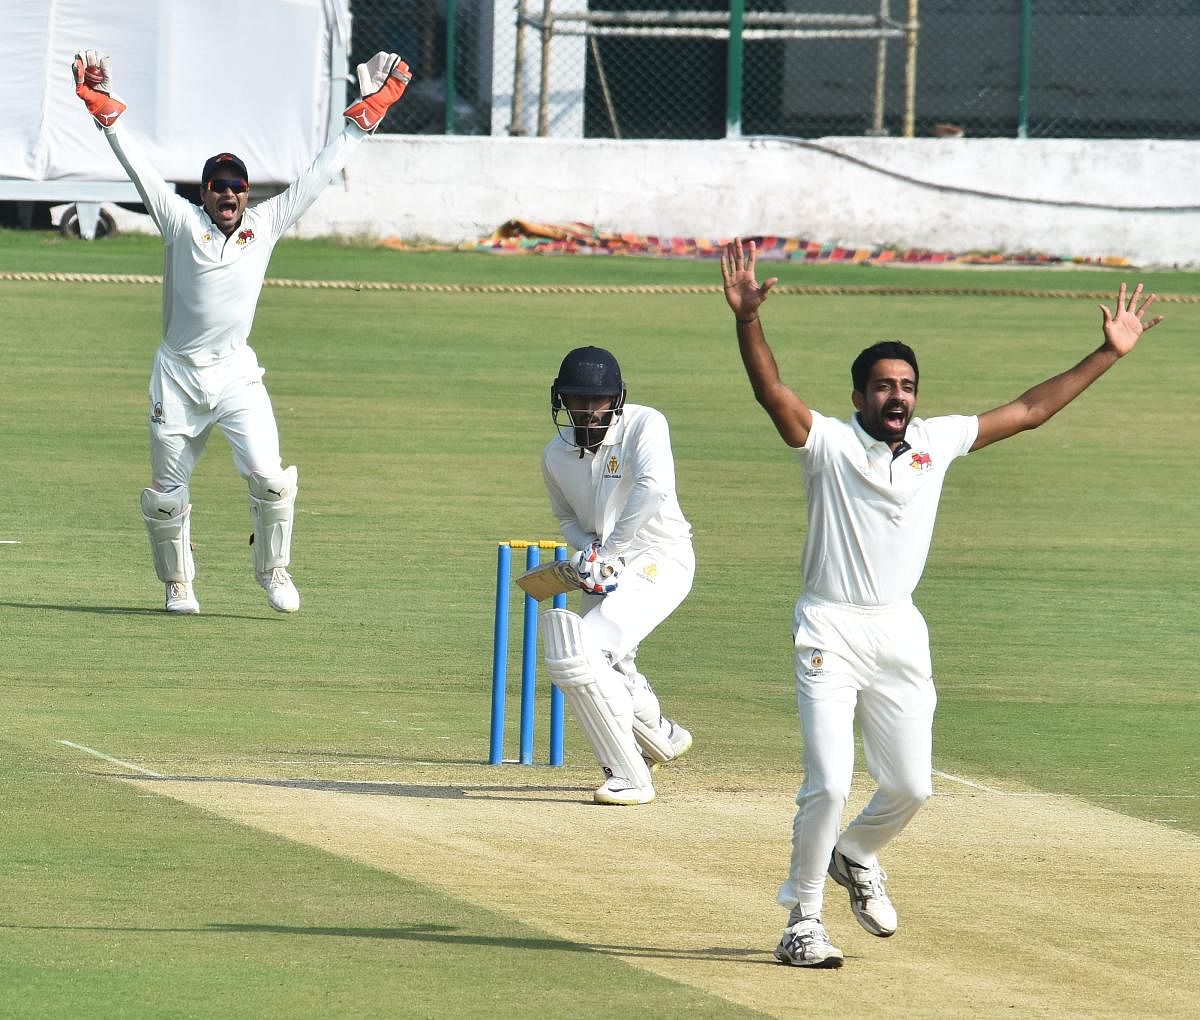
(877, 447)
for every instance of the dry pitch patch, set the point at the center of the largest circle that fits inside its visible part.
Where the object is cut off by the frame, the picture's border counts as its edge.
(1011, 903)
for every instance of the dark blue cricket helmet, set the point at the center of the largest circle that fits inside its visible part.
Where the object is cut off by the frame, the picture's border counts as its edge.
(588, 372)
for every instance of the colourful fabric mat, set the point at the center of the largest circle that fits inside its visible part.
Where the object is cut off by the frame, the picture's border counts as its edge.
(524, 236)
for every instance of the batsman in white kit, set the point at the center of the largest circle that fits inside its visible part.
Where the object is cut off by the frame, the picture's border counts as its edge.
(205, 374)
(861, 646)
(610, 475)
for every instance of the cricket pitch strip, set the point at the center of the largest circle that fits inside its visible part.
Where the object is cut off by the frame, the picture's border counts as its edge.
(1011, 903)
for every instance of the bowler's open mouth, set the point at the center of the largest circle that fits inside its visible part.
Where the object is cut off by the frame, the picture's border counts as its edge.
(895, 417)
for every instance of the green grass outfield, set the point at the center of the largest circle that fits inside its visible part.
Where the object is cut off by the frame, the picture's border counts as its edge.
(1060, 593)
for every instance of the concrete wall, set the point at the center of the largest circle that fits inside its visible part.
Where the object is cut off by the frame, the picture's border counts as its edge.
(1134, 199)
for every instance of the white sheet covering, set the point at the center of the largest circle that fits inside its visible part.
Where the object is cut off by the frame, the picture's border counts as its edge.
(199, 77)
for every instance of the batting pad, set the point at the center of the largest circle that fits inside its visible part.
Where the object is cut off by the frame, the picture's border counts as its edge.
(652, 737)
(599, 699)
(168, 517)
(651, 731)
(273, 509)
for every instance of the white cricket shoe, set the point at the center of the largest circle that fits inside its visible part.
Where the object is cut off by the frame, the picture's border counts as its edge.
(618, 790)
(868, 897)
(806, 944)
(181, 599)
(281, 592)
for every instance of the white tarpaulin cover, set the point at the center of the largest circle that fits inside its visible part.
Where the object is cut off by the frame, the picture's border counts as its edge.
(199, 77)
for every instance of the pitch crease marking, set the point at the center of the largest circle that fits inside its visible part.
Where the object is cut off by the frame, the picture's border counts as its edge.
(109, 758)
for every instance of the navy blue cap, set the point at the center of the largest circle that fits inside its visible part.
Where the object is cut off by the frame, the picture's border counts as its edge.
(211, 164)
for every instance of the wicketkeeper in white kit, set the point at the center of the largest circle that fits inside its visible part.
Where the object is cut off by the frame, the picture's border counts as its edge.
(861, 646)
(610, 475)
(205, 374)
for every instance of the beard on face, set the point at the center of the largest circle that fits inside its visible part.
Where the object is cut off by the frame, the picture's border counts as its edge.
(878, 426)
(591, 433)
(894, 408)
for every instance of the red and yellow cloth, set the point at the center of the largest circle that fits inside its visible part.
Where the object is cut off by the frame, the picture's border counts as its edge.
(525, 236)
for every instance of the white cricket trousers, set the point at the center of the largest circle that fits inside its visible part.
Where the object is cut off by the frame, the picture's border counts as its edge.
(873, 663)
(649, 589)
(186, 402)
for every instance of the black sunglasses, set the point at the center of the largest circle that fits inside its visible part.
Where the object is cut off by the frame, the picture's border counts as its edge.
(235, 184)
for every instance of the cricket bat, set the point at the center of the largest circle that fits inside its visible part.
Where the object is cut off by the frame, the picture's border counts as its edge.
(549, 579)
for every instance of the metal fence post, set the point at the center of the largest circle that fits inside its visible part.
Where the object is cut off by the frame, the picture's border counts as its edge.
(880, 72)
(734, 70)
(451, 59)
(544, 85)
(518, 92)
(910, 68)
(1023, 70)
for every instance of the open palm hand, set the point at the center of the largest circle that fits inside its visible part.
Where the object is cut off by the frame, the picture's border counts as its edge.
(742, 290)
(1124, 326)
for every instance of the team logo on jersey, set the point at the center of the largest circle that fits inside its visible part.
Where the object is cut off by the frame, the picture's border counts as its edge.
(205, 237)
(612, 467)
(156, 413)
(649, 572)
(245, 237)
(814, 666)
(921, 462)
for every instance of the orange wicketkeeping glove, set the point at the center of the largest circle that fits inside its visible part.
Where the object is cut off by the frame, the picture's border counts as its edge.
(93, 84)
(381, 81)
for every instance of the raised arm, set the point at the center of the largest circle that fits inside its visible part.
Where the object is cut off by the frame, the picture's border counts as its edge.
(745, 295)
(92, 71)
(382, 81)
(1122, 328)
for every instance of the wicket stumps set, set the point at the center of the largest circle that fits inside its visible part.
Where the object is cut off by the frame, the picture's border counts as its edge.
(529, 632)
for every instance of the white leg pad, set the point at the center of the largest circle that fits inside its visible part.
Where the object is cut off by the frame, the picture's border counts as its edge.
(598, 698)
(168, 517)
(273, 509)
(654, 741)
(651, 729)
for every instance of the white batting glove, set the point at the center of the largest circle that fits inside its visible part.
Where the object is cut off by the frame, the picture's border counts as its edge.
(597, 570)
(93, 84)
(381, 81)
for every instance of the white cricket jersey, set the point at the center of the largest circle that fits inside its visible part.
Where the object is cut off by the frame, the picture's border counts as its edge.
(870, 517)
(211, 283)
(623, 495)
